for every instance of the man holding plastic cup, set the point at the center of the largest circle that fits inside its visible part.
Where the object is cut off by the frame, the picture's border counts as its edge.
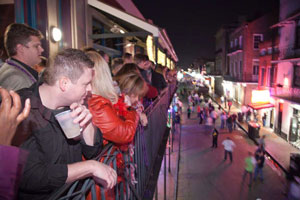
(54, 158)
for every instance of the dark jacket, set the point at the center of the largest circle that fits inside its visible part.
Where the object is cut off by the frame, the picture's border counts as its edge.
(49, 150)
(158, 81)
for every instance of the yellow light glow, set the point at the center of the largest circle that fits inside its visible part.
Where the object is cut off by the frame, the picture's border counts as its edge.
(286, 82)
(150, 48)
(169, 63)
(161, 58)
(260, 96)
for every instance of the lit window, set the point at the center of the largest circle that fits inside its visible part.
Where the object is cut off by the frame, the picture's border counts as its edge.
(235, 42)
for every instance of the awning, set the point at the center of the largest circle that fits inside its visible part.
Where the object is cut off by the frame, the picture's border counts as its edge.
(139, 26)
(260, 106)
(111, 52)
(154, 30)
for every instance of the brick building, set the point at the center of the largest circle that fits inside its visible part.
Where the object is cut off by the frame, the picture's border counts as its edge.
(243, 58)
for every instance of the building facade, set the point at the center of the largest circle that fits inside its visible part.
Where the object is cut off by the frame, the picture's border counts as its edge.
(286, 90)
(243, 58)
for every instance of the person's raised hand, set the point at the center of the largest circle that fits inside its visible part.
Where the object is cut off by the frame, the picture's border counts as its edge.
(10, 116)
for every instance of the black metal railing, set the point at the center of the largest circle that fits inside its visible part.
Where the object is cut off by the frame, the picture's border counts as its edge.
(143, 163)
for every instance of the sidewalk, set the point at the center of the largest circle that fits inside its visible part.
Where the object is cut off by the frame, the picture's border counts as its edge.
(277, 147)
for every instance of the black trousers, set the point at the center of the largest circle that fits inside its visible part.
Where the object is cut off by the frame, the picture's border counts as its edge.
(215, 142)
(230, 155)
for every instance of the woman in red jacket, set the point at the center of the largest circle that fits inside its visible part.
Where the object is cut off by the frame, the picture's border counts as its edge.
(112, 114)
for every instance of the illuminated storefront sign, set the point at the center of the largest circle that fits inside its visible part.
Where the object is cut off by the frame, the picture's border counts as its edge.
(261, 99)
(260, 96)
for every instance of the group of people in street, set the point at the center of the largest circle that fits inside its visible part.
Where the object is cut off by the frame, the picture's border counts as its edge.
(107, 108)
(253, 164)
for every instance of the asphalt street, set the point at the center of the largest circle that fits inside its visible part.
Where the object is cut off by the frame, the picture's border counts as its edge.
(203, 174)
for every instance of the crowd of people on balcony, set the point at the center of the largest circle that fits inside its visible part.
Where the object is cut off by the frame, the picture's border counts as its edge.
(106, 101)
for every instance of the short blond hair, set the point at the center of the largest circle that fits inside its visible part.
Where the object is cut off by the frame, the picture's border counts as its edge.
(70, 63)
(102, 83)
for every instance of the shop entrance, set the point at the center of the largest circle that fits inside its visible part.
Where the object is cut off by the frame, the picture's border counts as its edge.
(279, 120)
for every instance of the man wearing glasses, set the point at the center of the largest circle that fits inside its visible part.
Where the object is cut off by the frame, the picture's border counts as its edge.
(23, 46)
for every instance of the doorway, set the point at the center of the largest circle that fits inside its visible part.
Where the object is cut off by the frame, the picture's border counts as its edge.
(271, 119)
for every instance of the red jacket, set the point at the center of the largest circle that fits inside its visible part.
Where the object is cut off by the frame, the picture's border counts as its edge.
(114, 128)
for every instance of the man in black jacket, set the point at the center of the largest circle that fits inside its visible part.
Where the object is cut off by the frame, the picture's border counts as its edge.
(157, 79)
(54, 159)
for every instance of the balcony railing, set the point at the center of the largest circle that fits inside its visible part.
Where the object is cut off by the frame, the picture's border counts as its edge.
(285, 92)
(289, 52)
(148, 145)
(236, 48)
(245, 78)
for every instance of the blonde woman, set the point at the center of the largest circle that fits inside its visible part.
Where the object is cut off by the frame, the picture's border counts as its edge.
(105, 115)
(111, 114)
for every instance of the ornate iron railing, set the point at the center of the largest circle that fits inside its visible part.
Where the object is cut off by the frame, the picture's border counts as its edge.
(147, 144)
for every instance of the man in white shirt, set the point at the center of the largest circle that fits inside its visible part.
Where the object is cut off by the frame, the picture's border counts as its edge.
(228, 147)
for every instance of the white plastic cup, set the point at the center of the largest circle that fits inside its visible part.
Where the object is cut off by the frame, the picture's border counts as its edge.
(65, 121)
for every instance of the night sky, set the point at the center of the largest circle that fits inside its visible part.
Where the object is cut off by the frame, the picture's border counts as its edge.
(192, 24)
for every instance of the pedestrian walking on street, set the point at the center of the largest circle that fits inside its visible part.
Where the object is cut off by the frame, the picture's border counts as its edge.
(198, 110)
(201, 116)
(215, 139)
(248, 115)
(177, 122)
(260, 160)
(223, 120)
(234, 117)
(228, 147)
(249, 165)
(229, 105)
(229, 123)
(262, 143)
(189, 112)
(213, 115)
